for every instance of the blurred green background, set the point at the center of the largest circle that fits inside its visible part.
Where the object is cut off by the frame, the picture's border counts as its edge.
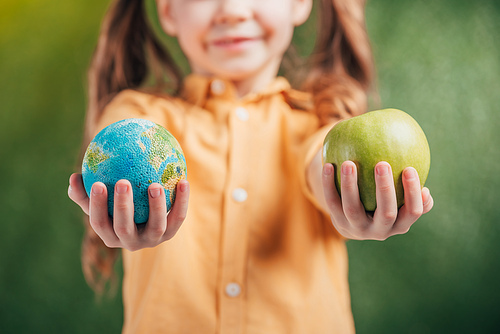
(438, 60)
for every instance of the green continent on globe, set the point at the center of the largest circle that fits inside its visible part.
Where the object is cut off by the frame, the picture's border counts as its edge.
(160, 138)
(173, 173)
(94, 156)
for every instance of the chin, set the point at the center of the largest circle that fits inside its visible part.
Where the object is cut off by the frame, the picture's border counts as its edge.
(240, 72)
(237, 75)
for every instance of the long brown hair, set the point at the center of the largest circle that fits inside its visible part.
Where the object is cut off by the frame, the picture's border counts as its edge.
(127, 53)
(342, 70)
(340, 74)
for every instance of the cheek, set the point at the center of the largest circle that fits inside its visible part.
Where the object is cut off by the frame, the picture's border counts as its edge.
(191, 36)
(280, 38)
(276, 20)
(193, 22)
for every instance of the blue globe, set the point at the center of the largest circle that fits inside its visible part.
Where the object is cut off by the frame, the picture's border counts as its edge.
(139, 151)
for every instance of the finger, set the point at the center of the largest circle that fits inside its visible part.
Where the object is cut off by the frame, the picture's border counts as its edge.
(123, 214)
(387, 207)
(353, 209)
(99, 216)
(333, 201)
(157, 222)
(77, 193)
(178, 213)
(428, 201)
(413, 207)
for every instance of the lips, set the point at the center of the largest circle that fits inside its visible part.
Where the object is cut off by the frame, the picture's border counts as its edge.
(227, 41)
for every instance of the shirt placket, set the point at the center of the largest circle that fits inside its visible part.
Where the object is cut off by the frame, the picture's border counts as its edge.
(234, 247)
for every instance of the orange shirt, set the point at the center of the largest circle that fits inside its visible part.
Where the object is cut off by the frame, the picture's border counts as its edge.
(255, 254)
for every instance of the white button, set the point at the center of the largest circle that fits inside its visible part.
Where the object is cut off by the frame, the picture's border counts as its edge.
(233, 290)
(242, 114)
(217, 87)
(240, 195)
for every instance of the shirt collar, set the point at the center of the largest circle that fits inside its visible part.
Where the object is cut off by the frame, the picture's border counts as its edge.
(197, 89)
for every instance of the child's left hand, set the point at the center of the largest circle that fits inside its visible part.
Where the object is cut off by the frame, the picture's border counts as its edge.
(348, 214)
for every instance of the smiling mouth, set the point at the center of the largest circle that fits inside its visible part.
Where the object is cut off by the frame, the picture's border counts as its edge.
(232, 41)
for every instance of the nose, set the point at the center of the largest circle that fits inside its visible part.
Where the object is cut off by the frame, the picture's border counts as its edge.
(233, 12)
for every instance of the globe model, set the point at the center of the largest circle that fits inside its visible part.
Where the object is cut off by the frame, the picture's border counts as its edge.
(139, 151)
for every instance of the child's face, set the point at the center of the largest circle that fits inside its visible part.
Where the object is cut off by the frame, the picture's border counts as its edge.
(233, 39)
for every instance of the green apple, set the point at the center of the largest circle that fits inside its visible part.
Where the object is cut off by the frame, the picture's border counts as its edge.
(383, 135)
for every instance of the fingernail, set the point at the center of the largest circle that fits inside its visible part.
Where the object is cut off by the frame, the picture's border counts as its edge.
(328, 169)
(183, 186)
(410, 174)
(96, 190)
(382, 170)
(154, 193)
(346, 169)
(121, 189)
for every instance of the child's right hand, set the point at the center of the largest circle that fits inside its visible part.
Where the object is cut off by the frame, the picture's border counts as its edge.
(121, 231)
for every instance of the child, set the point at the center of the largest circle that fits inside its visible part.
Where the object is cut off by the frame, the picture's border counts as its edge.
(262, 246)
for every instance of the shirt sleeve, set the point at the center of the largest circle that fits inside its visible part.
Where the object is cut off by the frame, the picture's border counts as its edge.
(130, 104)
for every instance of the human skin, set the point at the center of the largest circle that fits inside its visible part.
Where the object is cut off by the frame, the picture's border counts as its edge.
(122, 232)
(348, 214)
(243, 41)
